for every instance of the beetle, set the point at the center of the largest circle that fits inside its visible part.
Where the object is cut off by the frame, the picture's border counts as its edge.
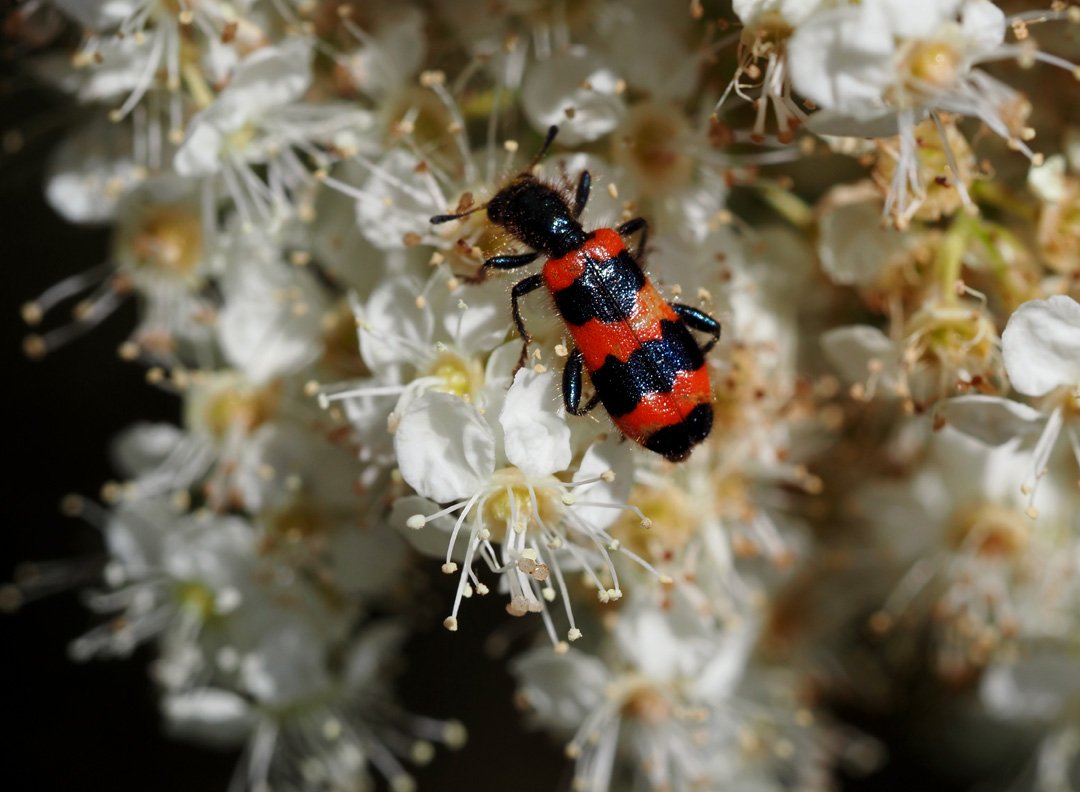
(645, 366)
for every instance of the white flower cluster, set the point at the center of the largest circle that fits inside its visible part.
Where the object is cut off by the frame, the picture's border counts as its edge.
(892, 477)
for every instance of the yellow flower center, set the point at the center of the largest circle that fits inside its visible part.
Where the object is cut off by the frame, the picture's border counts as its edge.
(640, 699)
(940, 197)
(510, 505)
(651, 146)
(238, 407)
(197, 598)
(165, 241)
(672, 521)
(950, 347)
(934, 64)
(298, 522)
(990, 530)
(457, 375)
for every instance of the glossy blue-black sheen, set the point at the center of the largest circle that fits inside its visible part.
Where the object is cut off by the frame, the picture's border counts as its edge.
(606, 290)
(651, 368)
(538, 216)
(675, 442)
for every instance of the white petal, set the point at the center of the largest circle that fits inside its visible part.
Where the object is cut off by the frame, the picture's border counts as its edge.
(727, 664)
(793, 12)
(91, 171)
(856, 124)
(270, 77)
(1037, 687)
(918, 18)
(211, 715)
(367, 657)
(144, 446)
(1041, 345)
(842, 59)
(327, 472)
(396, 200)
(576, 92)
(200, 153)
(852, 349)
(613, 455)
(853, 245)
(474, 319)
(983, 24)
(271, 323)
(991, 419)
(561, 689)
(288, 666)
(1048, 180)
(536, 438)
(445, 449)
(394, 330)
(99, 15)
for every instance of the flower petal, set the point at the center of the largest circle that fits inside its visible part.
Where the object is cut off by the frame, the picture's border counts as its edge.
(1041, 345)
(536, 438)
(852, 349)
(445, 449)
(991, 419)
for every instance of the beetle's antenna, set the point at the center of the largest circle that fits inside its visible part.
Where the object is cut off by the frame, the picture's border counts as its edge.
(446, 218)
(553, 130)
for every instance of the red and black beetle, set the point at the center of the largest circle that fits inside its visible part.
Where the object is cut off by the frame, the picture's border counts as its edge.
(646, 368)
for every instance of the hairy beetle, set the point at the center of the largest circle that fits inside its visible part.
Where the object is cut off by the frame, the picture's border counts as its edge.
(646, 368)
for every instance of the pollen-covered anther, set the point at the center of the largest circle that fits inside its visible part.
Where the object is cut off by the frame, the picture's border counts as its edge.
(449, 568)
(450, 623)
(517, 606)
(422, 752)
(416, 522)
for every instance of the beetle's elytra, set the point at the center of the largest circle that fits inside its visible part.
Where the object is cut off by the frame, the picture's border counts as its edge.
(645, 366)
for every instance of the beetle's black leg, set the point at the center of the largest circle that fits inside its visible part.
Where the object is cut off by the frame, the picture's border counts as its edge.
(521, 288)
(699, 320)
(571, 386)
(632, 227)
(581, 197)
(503, 263)
(511, 262)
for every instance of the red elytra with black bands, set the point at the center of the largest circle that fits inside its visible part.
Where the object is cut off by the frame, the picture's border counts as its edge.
(645, 366)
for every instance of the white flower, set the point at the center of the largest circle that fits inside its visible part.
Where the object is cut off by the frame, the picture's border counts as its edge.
(1041, 350)
(258, 119)
(944, 347)
(272, 320)
(576, 92)
(663, 707)
(438, 335)
(334, 722)
(316, 510)
(505, 472)
(91, 171)
(158, 57)
(158, 253)
(877, 69)
(984, 573)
